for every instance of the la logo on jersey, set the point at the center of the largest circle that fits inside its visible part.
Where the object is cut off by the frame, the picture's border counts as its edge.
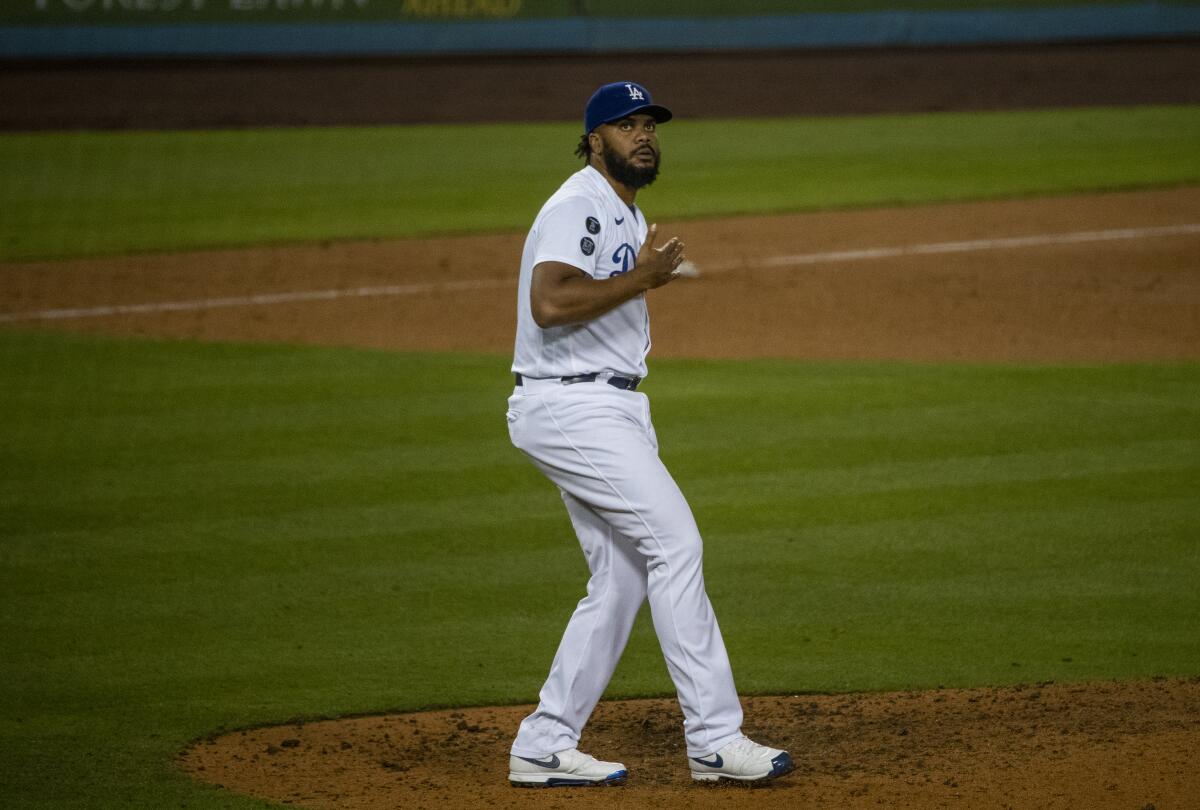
(635, 93)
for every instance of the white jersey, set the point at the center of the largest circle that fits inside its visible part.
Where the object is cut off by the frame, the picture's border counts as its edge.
(586, 225)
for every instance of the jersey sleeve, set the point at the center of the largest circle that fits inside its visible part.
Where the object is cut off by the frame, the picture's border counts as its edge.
(569, 232)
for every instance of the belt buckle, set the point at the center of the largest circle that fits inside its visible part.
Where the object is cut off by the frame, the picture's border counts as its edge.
(624, 383)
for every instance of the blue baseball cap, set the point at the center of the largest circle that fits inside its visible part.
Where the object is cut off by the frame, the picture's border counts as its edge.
(612, 102)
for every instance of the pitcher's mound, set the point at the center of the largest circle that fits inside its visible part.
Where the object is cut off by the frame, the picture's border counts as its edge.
(1106, 745)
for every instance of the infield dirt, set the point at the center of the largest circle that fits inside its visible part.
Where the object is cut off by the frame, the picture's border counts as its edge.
(1109, 745)
(1077, 297)
(868, 285)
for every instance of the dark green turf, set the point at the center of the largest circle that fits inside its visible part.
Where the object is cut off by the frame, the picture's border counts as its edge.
(86, 193)
(208, 536)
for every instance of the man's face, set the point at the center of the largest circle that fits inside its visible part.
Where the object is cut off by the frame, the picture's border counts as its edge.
(630, 150)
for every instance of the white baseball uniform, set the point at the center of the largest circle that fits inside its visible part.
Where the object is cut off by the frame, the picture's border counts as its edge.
(596, 442)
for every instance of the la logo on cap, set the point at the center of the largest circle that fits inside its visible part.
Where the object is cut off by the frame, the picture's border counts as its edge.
(616, 100)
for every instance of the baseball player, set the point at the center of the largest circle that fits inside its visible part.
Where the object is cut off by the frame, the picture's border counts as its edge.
(582, 339)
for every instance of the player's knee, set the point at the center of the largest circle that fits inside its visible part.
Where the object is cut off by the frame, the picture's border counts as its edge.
(680, 554)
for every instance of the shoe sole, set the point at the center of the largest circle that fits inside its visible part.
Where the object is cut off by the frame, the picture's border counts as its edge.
(538, 781)
(711, 778)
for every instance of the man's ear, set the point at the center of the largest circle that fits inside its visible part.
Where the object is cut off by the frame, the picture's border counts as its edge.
(596, 144)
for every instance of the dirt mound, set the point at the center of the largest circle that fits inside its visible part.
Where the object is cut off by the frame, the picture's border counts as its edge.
(1102, 745)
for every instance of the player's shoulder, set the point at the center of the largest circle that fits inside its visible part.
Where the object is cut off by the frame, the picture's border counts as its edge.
(574, 197)
(579, 186)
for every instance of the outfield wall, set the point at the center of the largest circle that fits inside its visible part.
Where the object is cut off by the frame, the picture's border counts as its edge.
(122, 28)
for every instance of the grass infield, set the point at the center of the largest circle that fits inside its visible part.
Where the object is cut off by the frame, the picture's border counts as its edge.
(206, 536)
(89, 193)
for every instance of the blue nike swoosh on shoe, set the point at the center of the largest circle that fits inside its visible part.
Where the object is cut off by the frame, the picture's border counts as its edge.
(717, 763)
(553, 762)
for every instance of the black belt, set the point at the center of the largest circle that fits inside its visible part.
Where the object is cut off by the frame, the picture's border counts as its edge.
(624, 383)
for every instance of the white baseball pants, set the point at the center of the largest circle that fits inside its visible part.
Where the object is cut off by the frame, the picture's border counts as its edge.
(637, 532)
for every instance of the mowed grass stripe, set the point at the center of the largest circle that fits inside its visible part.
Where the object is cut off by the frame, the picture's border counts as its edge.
(984, 607)
(950, 472)
(89, 193)
(203, 536)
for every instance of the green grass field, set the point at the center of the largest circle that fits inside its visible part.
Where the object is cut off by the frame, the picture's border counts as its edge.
(196, 537)
(79, 194)
(207, 536)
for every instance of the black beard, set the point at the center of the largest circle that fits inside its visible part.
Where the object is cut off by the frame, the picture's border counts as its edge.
(626, 173)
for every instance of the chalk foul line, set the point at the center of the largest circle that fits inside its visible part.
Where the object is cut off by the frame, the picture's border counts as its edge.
(798, 260)
(1004, 243)
(261, 299)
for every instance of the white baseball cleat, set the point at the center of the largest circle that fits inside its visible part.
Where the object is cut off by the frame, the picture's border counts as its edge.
(570, 768)
(742, 760)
